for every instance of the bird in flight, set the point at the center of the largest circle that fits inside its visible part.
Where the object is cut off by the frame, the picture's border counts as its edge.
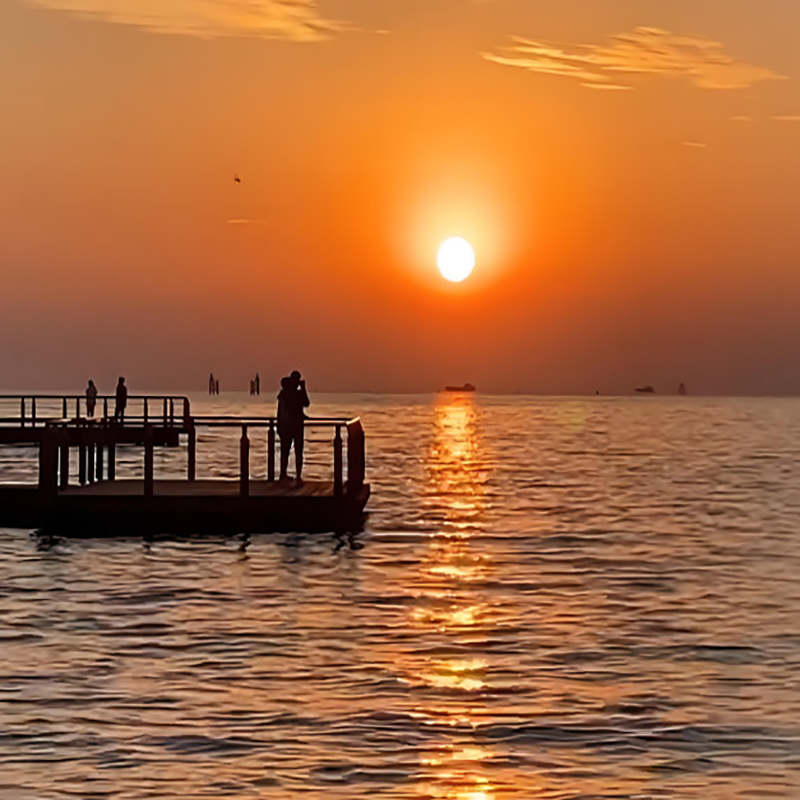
(237, 179)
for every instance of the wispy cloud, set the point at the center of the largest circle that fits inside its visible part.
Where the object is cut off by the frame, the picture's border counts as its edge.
(741, 118)
(787, 119)
(697, 145)
(297, 20)
(644, 51)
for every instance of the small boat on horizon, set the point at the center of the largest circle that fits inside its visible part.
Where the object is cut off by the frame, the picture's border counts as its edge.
(467, 387)
(645, 390)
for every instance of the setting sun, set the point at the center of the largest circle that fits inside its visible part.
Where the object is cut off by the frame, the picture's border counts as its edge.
(456, 259)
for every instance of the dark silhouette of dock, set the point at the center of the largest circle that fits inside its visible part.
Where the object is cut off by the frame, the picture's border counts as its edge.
(95, 502)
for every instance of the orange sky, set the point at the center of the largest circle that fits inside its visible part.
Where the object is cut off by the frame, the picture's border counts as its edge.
(626, 169)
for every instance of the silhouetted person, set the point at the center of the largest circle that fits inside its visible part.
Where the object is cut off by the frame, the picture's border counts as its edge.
(216, 386)
(211, 384)
(292, 403)
(91, 399)
(258, 384)
(122, 400)
(252, 388)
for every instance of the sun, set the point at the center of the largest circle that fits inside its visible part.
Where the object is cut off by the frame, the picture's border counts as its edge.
(456, 259)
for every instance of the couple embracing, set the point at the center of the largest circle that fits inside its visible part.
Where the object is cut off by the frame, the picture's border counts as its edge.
(292, 403)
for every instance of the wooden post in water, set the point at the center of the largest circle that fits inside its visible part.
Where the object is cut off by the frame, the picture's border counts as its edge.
(77, 408)
(146, 414)
(22, 412)
(64, 407)
(64, 458)
(191, 472)
(149, 481)
(244, 464)
(105, 408)
(337, 462)
(271, 452)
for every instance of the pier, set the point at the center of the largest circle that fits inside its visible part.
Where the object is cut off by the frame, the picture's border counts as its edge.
(79, 493)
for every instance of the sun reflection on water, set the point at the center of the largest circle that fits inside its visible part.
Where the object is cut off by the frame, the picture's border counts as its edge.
(449, 606)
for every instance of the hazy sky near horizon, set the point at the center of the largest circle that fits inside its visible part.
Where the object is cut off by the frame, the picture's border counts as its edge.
(627, 171)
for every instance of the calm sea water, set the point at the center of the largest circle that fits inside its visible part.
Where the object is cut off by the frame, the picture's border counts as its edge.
(553, 598)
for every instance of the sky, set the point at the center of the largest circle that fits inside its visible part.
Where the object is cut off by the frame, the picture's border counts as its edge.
(626, 171)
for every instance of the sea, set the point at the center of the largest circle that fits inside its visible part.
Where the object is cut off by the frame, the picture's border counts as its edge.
(550, 599)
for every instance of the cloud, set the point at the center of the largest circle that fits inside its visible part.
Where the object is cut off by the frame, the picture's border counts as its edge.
(698, 145)
(741, 118)
(787, 119)
(297, 20)
(644, 51)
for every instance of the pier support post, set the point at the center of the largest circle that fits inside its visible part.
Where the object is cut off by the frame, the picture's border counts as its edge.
(99, 456)
(337, 462)
(192, 466)
(81, 455)
(271, 452)
(149, 481)
(90, 450)
(64, 459)
(112, 458)
(244, 464)
(356, 456)
(48, 464)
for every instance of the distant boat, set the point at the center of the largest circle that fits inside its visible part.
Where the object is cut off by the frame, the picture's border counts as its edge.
(467, 387)
(645, 390)
(682, 389)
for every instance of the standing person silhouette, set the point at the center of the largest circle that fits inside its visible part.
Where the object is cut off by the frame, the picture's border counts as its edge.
(292, 403)
(91, 399)
(122, 400)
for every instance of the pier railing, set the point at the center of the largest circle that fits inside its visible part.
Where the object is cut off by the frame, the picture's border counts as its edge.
(98, 438)
(30, 410)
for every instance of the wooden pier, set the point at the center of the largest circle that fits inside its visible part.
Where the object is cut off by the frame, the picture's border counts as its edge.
(96, 502)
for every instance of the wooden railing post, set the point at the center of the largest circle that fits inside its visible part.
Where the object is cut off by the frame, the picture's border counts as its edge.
(64, 407)
(271, 452)
(105, 408)
(356, 456)
(149, 479)
(146, 411)
(33, 411)
(22, 412)
(337, 462)
(244, 464)
(191, 471)
(64, 458)
(187, 412)
(77, 408)
(165, 412)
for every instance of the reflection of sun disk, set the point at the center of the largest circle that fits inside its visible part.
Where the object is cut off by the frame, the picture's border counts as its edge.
(456, 259)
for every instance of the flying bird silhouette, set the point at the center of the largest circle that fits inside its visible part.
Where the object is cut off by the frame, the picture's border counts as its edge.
(237, 179)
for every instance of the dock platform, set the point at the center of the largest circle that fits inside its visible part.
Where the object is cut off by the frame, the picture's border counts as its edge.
(97, 502)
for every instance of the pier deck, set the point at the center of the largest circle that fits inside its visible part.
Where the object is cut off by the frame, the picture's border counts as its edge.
(98, 502)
